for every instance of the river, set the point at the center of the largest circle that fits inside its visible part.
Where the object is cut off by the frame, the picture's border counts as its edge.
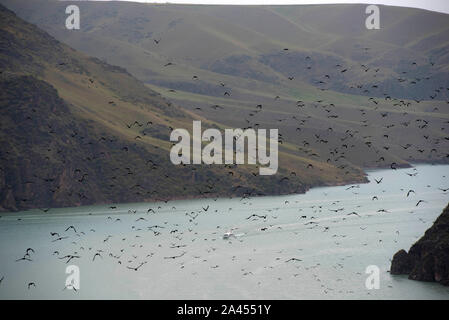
(176, 250)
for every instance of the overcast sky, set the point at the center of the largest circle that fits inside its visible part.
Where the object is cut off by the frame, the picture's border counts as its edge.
(434, 5)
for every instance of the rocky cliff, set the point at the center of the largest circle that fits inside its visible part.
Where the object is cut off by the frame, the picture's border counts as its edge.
(428, 258)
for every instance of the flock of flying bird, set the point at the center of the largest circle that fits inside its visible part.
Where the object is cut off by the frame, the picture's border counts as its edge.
(334, 145)
(316, 141)
(164, 232)
(177, 249)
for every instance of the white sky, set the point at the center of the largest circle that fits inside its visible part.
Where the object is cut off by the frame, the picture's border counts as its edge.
(434, 5)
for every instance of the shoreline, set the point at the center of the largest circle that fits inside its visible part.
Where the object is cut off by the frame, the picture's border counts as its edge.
(154, 201)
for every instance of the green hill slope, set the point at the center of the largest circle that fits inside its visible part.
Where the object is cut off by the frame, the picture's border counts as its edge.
(69, 131)
(367, 93)
(382, 110)
(214, 38)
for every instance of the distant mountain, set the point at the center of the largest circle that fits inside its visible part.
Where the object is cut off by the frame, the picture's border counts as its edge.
(428, 258)
(247, 42)
(341, 95)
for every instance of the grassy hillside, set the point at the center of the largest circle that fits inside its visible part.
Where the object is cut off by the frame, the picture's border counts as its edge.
(343, 97)
(75, 130)
(248, 41)
(369, 94)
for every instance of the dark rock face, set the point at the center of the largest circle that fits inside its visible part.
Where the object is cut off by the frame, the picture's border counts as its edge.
(402, 263)
(428, 258)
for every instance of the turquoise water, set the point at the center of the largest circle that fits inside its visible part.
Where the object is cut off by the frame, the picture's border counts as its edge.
(333, 248)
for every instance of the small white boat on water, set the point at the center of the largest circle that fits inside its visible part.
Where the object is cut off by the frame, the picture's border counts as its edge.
(228, 234)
